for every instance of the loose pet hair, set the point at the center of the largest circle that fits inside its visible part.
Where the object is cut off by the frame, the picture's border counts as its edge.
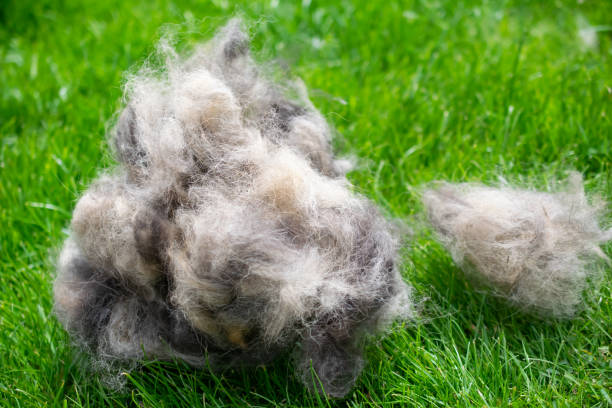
(228, 232)
(539, 250)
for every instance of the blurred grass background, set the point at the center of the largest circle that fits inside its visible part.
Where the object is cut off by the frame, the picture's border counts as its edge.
(420, 90)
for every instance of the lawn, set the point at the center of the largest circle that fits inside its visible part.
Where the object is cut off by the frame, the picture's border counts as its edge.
(423, 90)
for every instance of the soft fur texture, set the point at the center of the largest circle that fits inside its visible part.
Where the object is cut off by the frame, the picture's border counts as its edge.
(537, 249)
(228, 232)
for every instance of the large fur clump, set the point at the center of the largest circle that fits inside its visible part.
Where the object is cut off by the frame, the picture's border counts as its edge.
(537, 249)
(228, 233)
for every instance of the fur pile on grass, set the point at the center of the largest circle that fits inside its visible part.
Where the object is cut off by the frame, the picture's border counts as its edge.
(228, 232)
(539, 250)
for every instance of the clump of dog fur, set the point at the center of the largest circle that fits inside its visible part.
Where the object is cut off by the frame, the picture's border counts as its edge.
(228, 233)
(539, 250)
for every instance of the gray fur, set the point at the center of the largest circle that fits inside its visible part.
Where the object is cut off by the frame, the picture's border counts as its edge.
(539, 250)
(228, 232)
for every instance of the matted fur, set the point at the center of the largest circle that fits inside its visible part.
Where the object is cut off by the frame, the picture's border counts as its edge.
(537, 249)
(228, 232)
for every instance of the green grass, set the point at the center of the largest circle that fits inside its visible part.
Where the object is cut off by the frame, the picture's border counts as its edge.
(459, 90)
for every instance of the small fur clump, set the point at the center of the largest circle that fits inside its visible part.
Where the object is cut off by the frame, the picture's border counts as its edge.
(537, 249)
(228, 233)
